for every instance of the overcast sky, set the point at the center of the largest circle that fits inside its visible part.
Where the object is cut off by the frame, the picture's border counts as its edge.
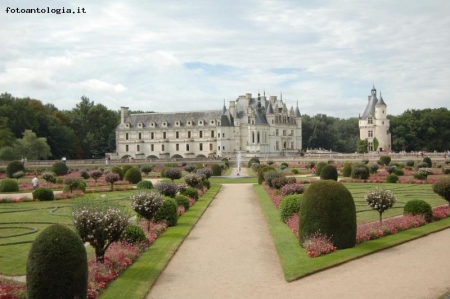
(191, 55)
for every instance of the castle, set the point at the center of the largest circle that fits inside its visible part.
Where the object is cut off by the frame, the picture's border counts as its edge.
(375, 124)
(252, 126)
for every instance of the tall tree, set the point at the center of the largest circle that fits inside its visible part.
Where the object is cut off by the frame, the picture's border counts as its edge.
(32, 147)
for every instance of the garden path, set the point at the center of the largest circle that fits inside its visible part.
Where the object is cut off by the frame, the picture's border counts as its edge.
(230, 254)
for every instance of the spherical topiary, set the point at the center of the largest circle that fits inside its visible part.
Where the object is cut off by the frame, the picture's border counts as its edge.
(373, 168)
(347, 170)
(289, 205)
(419, 207)
(216, 169)
(144, 185)
(125, 168)
(13, 167)
(206, 183)
(146, 169)
(57, 265)
(329, 172)
(294, 171)
(133, 175)
(9, 185)
(392, 178)
(385, 160)
(84, 174)
(167, 188)
(183, 200)
(190, 192)
(43, 194)
(428, 161)
(168, 212)
(117, 170)
(60, 168)
(328, 207)
(172, 173)
(134, 235)
(319, 167)
(270, 177)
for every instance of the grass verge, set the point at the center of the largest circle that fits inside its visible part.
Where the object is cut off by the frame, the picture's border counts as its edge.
(137, 280)
(297, 264)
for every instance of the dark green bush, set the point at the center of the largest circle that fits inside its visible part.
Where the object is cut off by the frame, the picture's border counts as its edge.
(191, 192)
(279, 182)
(9, 185)
(392, 178)
(328, 207)
(172, 173)
(419, 176)
(60, 168)
(134, 235)
(391, 169)
(422, 165)
(385, 160)
(419, 207)
(168, 212)
(347, 170)
(57, 265)
(252, 161)
(216, 169)
(319, 167)
(43, 194)
(117, 170)
(399, 172)
(365, 161)
(329, 172)
(74, 184)
(145, 185)
(442, 188)
(262, 169)
(360, 171)
(126, 167)
(374, 167)
(84, 174)
(294, 171)
(285, 164)
(206, 183)
(146, 169)
(428, 161)
(270, 162)
(133, 175)
(183, 200)
(289, 205)
(410, 163)
(13, 167)
(269, 176)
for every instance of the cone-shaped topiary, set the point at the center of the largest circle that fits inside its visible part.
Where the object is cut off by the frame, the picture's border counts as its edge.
(329, 172)
(57, 265)
(133, 175)
(60, 168)
(328, 207)
(13, 167)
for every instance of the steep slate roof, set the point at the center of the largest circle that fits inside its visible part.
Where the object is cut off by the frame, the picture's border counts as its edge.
(372, 101)
(297, 111)
(381, 102)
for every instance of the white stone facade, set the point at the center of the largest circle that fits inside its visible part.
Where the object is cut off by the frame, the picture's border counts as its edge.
(375, 124)
(253, 126)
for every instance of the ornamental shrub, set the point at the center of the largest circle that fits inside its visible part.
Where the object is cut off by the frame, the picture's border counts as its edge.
(167, 188)
(270, 162)
(168, 212)
(380, 200)
(125, 168)
(269, 177)
(428, 161)
(365, 161)
(385, 160)
(216, 170)
(145, 185)
(291, 180)
(425, 172)
(19, 174)
(146, 204)
(172, 173)
(442, 188)
(360, 171)
(290, 189)
(193, 180)
(112, 178)
(117, 170)
(146, 169)
(284, 164)
(419, 176)
(57, 265)
(206, 173)
(95, 174)
(60, 168)
(252, 161)
(191, 192)
(409, 163)
(422, 165)
(262, 171)
(74, 183)
(329, 172)
(399, 172)
(319, 167)
(347, 170)
(189, 168)
(392, 178)
(446, 170)
(9, 185)
(84, 174)
(279, 182)
(43, 194)
(419, 207)
(13, 167)
(391, 169)
(289, 205)
(206, 183)
(327, 206)
(133, 175)
(182, 200)
(373, 168)
(49, 176)
(134, 235)
(294, 171)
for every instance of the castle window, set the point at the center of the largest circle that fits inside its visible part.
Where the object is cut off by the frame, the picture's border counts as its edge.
(370, 120)
(126, 136)
(292, 145)
(210, 147)
(257, 138)
(189, 134)
(370, 134)
(212, 134)
(200, 146)
(189, 123)
(212, 122)
(164, 135)
(253, 122)
(277, 146)
(177, 134)
(253, 137)
(140, 135)
(177, 147)
(218, 123)
(223, 148)
(382, 122)
(138, 147)
(152, 124)
(187, 147)
(126, 148)
(276, 132)
(223, 135)
(152, 147)
(162, 147)
(218, 148)
(284, 132)
(200, 134)
(152, 135)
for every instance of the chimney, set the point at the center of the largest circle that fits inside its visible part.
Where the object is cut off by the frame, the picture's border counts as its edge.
(232, 108)
(123, 114)
(248, 97)
(273, 99)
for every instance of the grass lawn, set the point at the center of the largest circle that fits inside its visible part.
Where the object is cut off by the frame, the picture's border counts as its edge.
(294, 259)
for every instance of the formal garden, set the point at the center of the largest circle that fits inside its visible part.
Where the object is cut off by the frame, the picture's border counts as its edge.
(132, 218)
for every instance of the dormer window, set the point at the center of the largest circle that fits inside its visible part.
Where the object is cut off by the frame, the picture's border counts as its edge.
(370, 120)
(152, 124)
(127, 125)
(212, 122)
(139, 125)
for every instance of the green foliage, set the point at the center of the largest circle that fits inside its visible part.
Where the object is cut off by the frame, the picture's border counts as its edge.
(13, 167)
(117, 170)
(126, 167)
(134, 235)
(133, 175)
(252, 161)
(442, 188)
(419, 207)
(270, 162)
(385, 160)
(84, 174)
(191, 192)
(328, 207)
(43, 194)
(319, 167)
(374, 167)
(420, 176)
(294, 171)
(168, 212)
(409, 163)
(206, 183)
(146, 169)
(146, 204)
(376, 143)
(9, 185)
(189, 168)
(193, 180)
(347, 170)
(182, 200)
(392, 178)
(391, 169)
(57, 265)
(262, 169)
(74, 184)
(60, 168)
(32, 147)
(329, 172)
(360, 171)
(428, 161)
(446, 170)
(289, 205)
(380, 199)
(7, 153)
(362, 146)
(216, 169)
(145, 185)
(172, 173)
(399, 172)
(270, 176)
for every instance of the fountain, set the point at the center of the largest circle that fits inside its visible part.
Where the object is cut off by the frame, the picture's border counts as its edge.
(238, 163)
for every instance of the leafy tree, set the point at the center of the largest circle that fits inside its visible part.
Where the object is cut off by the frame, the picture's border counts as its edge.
(376, 143)
(112, 178)
(147, 204)
(32, 147)
(362, 146)
(7, 137)
(380, 199)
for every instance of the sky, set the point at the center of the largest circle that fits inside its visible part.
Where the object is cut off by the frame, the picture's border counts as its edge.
(192, 55)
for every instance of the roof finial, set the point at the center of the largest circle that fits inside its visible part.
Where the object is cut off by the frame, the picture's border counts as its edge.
(281, 95)
(297, 102)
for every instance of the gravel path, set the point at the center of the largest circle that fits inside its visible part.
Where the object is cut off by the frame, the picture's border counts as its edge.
(230, 254)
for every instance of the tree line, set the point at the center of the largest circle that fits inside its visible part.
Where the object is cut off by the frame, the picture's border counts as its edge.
(32, 129)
